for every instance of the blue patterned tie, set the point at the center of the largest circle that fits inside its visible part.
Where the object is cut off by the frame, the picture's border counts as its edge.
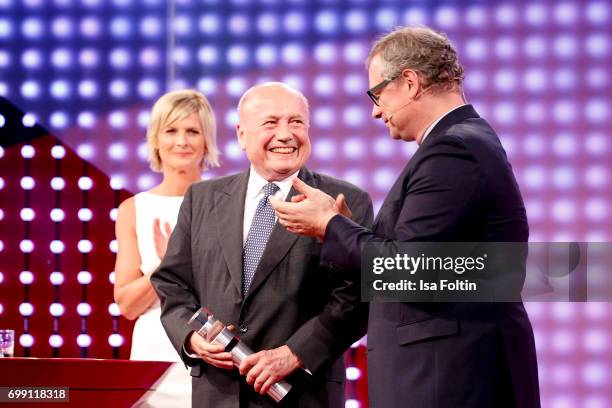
(256, 241)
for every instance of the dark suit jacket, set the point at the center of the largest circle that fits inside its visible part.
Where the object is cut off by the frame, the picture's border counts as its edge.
(458, 186)
(293, 300)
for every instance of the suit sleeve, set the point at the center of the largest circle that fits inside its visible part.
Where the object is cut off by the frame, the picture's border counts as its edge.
(322, 339)
(173, 282)
(442, 194)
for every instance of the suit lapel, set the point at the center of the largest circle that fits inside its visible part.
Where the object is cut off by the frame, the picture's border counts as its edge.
(229, 211)
(397, 191)
(279, 243)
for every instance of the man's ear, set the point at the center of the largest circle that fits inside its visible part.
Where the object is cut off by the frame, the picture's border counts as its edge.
(412, 80)
(241, 137)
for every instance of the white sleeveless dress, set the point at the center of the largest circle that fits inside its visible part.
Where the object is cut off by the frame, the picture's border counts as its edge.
(149, 340)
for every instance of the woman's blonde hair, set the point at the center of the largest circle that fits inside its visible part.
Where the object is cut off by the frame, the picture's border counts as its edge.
(176, 105)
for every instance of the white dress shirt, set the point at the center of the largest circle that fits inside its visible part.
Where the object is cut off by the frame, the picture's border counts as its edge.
(255, 193)
(430, 128)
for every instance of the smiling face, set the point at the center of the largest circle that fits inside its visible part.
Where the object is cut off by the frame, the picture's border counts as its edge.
(273, 130)
(181, 144)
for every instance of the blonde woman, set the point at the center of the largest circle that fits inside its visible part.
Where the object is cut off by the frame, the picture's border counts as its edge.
(182, 143)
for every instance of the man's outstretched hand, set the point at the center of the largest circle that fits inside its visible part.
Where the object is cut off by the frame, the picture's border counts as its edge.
(309, 212)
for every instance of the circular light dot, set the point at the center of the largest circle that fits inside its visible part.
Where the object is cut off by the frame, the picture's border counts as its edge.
(27, 214)
(58, 183)
(85, 183)
(145, 182)
(29, 120)
(118, 88)
(353, 373)
(56, 309)
(85, 246)
(113, 246)
(117, 182)
(324, 149)
(56, 278)
(56, 246)
(27, 183)
(57, 215)
(58, 120)
(61, 58)
(595, 374)
(88, 88)
(111, 278)
(85, 214)
(83, 340)
(30, 89)
(113, 309)
(352, 403)
(148, 88)
(26, 340)
(113, 214)
(118, 119)
(84, 309)
(115, 340)
(56, 341)
(26, 277)
(60, 89)
(117, 151)
(26, 246)
(58, 152)
(26, 309)
(325, 53)
(120, 58)
(85, 151)
(86, 119)
(354, 148)
(27, 151)
(383, 178)
(84, 277)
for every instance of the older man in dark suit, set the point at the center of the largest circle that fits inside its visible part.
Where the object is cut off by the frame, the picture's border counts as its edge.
(458, 187)
(227, 253)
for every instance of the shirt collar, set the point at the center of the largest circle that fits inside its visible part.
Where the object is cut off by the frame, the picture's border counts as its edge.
(433, 125)
(257, 183)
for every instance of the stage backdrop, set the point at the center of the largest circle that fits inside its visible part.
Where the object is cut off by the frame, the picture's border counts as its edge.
(77, 80)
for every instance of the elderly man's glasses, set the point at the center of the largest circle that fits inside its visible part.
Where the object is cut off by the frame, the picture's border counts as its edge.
(375, 90)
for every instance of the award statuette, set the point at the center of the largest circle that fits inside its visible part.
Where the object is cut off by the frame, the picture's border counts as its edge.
(215, 331)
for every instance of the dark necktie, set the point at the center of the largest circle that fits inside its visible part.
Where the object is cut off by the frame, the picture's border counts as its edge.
(256, 241)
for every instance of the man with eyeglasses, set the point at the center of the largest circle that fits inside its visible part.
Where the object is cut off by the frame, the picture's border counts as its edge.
(457, 187)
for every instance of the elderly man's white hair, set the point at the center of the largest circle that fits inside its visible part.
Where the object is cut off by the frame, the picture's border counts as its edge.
(248, 95)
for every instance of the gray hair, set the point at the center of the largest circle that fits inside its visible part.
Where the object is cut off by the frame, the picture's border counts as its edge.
(421, 49)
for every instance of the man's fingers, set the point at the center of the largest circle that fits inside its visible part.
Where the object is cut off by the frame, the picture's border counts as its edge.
(302, 187)
(210, 347)
(254, 373)
(249, 362)
(225, 364)
(261, 379)
(168, 229)
(298, 198)
(342, 206)
(266, 386)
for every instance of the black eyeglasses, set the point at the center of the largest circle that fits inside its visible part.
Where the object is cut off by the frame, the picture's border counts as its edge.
(372, 92)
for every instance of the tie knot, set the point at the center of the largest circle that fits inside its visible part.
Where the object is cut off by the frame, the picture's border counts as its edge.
(270, 189)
